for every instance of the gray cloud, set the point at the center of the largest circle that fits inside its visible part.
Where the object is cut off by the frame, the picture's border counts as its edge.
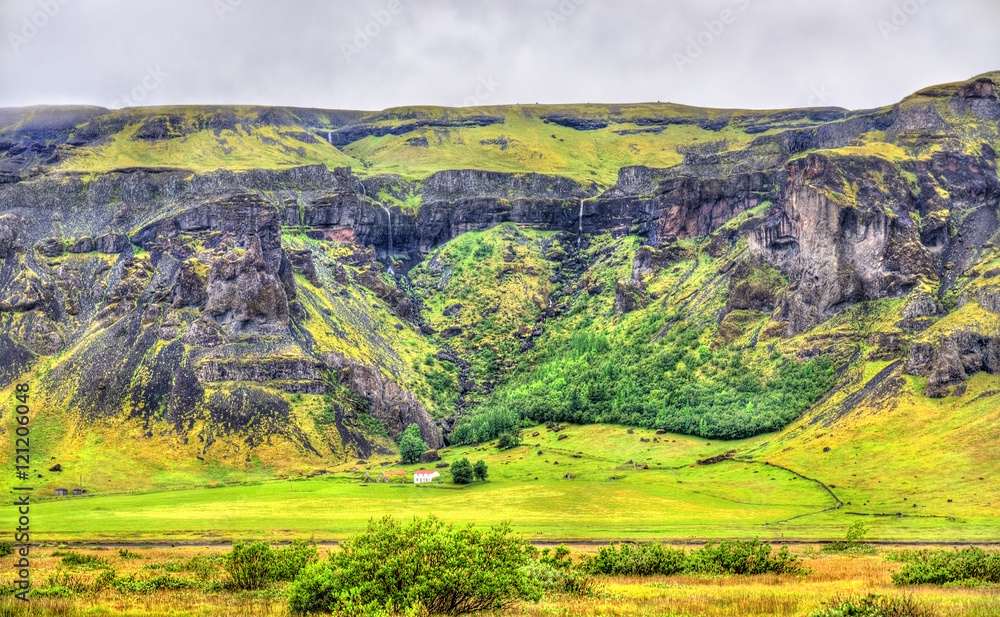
(360, 55)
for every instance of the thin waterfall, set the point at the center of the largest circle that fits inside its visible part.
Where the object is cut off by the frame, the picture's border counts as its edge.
(388, 216)
(580, 224)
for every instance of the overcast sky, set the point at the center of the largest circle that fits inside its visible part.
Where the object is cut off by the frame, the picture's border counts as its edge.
(351, 54)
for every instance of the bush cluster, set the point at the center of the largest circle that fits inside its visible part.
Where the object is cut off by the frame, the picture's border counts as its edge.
(728, 557)
(464, 472)
(873, 605)
(966, 567)
(255, 565)
(423, 566)
(509, 439)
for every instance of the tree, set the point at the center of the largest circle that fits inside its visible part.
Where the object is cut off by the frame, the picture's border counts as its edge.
(856, 532)
(461, 471)
(509, 439)
(411, 444)
(480, 470)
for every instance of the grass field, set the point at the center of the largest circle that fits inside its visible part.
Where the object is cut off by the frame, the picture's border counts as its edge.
(673, 499)
(830, 576)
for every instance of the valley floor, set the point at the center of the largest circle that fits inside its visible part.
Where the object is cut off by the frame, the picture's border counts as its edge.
(583, 483)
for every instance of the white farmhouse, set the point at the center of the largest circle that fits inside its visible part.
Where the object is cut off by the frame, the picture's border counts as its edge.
(422, 475)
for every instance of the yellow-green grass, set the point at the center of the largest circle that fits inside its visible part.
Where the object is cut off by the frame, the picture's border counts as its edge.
(671, 499)
(204, 151)
(929, 465)
(926, 451)
(752, 596)
(830, 576)
(525, 143)
(522, 143)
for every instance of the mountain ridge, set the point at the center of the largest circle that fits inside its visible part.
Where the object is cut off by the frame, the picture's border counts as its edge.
(287, 311)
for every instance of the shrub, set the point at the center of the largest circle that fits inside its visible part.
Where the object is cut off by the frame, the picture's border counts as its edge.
(742, 557)
(72, 558)
(204, 567)
(939, 567)
(462, 472)
(6, 549)
(105, 579)
(249, 565)
(641, 560)
(873, 605)
(57, 591)
(411, 444)
(254, 565)
(289, 561)
(130, 584)
(509, 440)
(371, 424)
(422, 566)
(729, 557)
(124, 553)
(480, 470)
(554, 571)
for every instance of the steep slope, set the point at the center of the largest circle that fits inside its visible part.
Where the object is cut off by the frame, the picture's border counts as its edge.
(178, 277)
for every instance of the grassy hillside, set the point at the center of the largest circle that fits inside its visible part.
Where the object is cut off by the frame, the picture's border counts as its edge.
(520, 139)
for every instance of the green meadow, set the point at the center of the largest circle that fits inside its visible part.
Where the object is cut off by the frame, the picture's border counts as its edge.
(583, 483)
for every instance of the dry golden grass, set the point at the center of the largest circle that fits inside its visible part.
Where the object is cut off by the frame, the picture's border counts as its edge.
(619, 596)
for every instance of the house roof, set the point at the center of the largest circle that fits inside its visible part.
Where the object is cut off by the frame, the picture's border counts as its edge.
(393, 473)
(424, 472)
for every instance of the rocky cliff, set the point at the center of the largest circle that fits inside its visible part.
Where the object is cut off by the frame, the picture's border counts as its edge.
(206, 304)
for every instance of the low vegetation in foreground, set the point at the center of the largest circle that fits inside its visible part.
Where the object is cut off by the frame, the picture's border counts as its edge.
(426, 567)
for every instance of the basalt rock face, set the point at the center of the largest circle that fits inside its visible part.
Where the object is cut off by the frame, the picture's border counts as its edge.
(193, 322)
(840, 250)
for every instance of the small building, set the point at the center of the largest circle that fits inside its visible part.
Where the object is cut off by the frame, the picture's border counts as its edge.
(78, 491)
(421, 476)
(61, 492)
(389, 476)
